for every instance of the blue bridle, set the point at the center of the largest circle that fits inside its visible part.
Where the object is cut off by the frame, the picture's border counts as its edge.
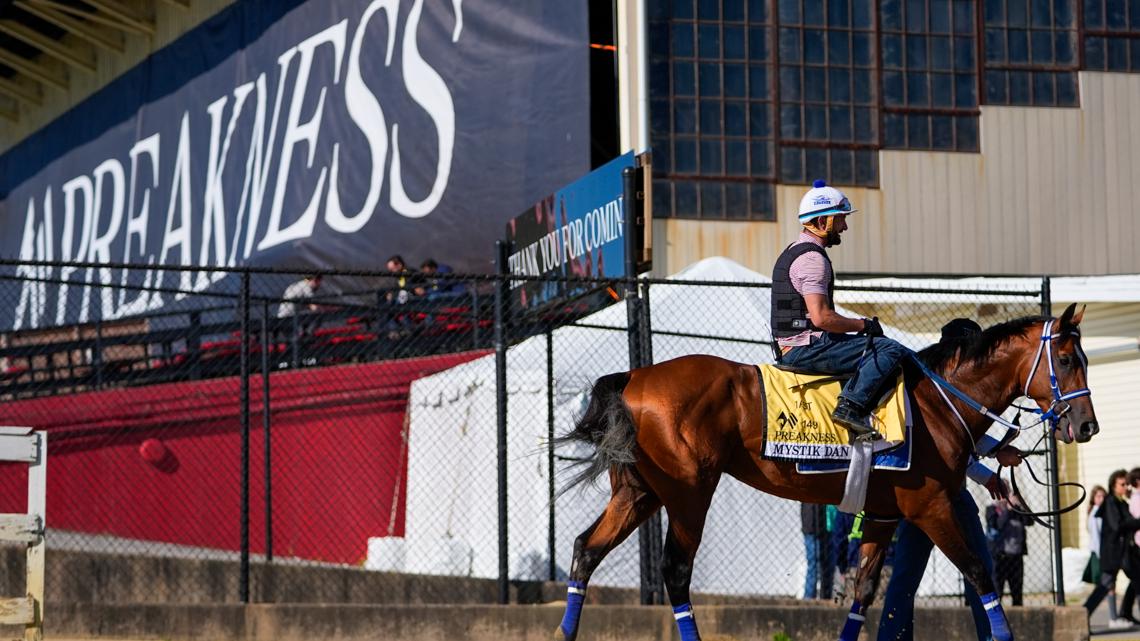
(1057, 409)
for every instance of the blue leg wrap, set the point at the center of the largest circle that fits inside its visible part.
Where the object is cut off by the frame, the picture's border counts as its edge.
(853, 625)
(575, 595)
(686, 623)
(999, 625)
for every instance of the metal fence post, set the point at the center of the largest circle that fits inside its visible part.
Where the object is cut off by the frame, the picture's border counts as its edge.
(552, 569)
(1054, 473)
(265, 346)
(502, 251)
(243, 319)
(649, 533)
(652, 527)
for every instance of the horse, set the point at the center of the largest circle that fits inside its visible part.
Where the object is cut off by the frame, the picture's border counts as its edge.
(667, 432)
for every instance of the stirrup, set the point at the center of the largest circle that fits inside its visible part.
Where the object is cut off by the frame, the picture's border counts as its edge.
(865, 437)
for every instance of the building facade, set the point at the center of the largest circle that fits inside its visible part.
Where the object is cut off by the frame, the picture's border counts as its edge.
(975, 137)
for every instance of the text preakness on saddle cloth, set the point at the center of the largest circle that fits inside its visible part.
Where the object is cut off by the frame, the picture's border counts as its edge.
(798, 423)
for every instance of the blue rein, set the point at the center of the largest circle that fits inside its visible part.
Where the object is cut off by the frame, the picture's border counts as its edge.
(1057, 409)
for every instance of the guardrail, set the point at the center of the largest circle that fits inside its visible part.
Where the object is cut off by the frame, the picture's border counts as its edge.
(24, 445)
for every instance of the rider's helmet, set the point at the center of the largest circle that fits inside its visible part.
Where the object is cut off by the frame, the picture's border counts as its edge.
(822, 200)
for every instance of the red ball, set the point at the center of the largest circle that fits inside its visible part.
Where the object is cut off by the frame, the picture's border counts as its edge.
(153, 451)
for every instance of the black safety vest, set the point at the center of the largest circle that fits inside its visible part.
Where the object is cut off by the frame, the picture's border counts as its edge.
(789, 309)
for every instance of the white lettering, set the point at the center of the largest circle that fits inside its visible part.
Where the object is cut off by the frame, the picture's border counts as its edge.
(80, 186)
(136, 225)
(296, 133)
(177, 233)
(365, 111)
(427, 88)
(100, 251)
(36, 244)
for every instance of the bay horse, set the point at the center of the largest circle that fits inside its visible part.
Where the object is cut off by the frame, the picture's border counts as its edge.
(666, 433)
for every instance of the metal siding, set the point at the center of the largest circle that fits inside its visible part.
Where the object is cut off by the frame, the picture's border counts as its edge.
(1050, 192)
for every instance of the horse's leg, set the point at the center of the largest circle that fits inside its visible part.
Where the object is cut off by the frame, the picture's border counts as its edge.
(939, 523)
(876, 538)
(631, 503)
(686, 524)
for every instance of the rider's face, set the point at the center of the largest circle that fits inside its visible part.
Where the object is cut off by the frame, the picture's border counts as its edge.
(838, 226)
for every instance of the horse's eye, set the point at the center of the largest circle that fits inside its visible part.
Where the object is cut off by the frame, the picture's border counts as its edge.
(1065, 360)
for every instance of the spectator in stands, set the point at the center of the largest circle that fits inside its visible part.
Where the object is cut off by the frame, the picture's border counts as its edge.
(818, 582)
(300, 292)
(431, 287)
(1005, 529)
(403, 280)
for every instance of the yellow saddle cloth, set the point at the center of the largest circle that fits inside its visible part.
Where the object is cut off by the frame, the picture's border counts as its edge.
(799, 427)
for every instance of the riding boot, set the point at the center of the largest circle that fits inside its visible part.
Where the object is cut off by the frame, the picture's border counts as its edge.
(855, 419)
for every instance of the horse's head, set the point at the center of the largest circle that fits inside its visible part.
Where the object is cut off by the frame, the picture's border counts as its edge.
(1057, 378)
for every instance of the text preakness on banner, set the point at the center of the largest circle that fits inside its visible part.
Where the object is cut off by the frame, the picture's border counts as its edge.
(306, 134)
(578, 231)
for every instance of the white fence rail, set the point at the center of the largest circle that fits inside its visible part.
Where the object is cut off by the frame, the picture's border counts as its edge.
(24, 445)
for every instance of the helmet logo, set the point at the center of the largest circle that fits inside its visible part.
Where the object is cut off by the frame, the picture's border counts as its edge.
(821, 199)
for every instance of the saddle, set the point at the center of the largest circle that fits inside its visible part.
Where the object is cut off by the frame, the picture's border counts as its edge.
(798, 408)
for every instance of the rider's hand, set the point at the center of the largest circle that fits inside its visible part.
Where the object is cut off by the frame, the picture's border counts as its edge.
(997, 487)
(1008, 456)
(871, 327)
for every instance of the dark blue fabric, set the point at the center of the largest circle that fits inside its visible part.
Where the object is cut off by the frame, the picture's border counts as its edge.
(687, 626)
(573, 612)
(853, 625)
(819, 579)
(912, 550)
(896, 458)
(841, 353)
(999, 625)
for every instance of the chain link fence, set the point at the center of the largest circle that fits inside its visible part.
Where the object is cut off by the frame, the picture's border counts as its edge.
(255, 435)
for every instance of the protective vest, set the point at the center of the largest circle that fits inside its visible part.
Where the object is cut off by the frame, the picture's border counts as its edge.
(789, 309)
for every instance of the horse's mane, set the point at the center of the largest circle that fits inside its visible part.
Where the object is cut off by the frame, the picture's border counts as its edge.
(977, 349)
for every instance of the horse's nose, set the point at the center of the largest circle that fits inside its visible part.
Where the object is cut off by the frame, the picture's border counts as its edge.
(1088, 430)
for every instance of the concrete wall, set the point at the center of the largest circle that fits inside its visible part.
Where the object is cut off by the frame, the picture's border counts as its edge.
(515, 623)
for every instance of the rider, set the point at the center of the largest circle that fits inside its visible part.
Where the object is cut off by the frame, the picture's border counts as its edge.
(809, 332)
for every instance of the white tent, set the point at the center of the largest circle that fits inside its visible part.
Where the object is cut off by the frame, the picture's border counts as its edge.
(752, 542)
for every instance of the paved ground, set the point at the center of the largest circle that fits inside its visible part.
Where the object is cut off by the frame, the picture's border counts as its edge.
(1098, 625)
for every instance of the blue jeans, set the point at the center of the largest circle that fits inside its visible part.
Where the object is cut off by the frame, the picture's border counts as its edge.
(912, 550)
(820, 567)
(840, 354)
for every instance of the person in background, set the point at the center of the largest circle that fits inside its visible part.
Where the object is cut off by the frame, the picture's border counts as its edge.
(839, 536)
(1131, 565)
(1093, 525)
(913, 547)
(402, 280)
(431, 286)
(302, 290)
(1117, 526)
(818, 581)
(1007, 546)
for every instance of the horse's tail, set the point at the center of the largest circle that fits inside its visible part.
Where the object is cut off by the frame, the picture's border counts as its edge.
(608, 426)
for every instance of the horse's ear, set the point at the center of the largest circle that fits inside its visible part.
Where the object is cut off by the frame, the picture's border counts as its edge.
(1070, 318)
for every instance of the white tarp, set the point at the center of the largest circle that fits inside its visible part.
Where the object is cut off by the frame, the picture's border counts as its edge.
(752, 542)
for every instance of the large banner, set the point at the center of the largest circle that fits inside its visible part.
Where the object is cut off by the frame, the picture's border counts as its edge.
(577, 231)
(327, 133)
